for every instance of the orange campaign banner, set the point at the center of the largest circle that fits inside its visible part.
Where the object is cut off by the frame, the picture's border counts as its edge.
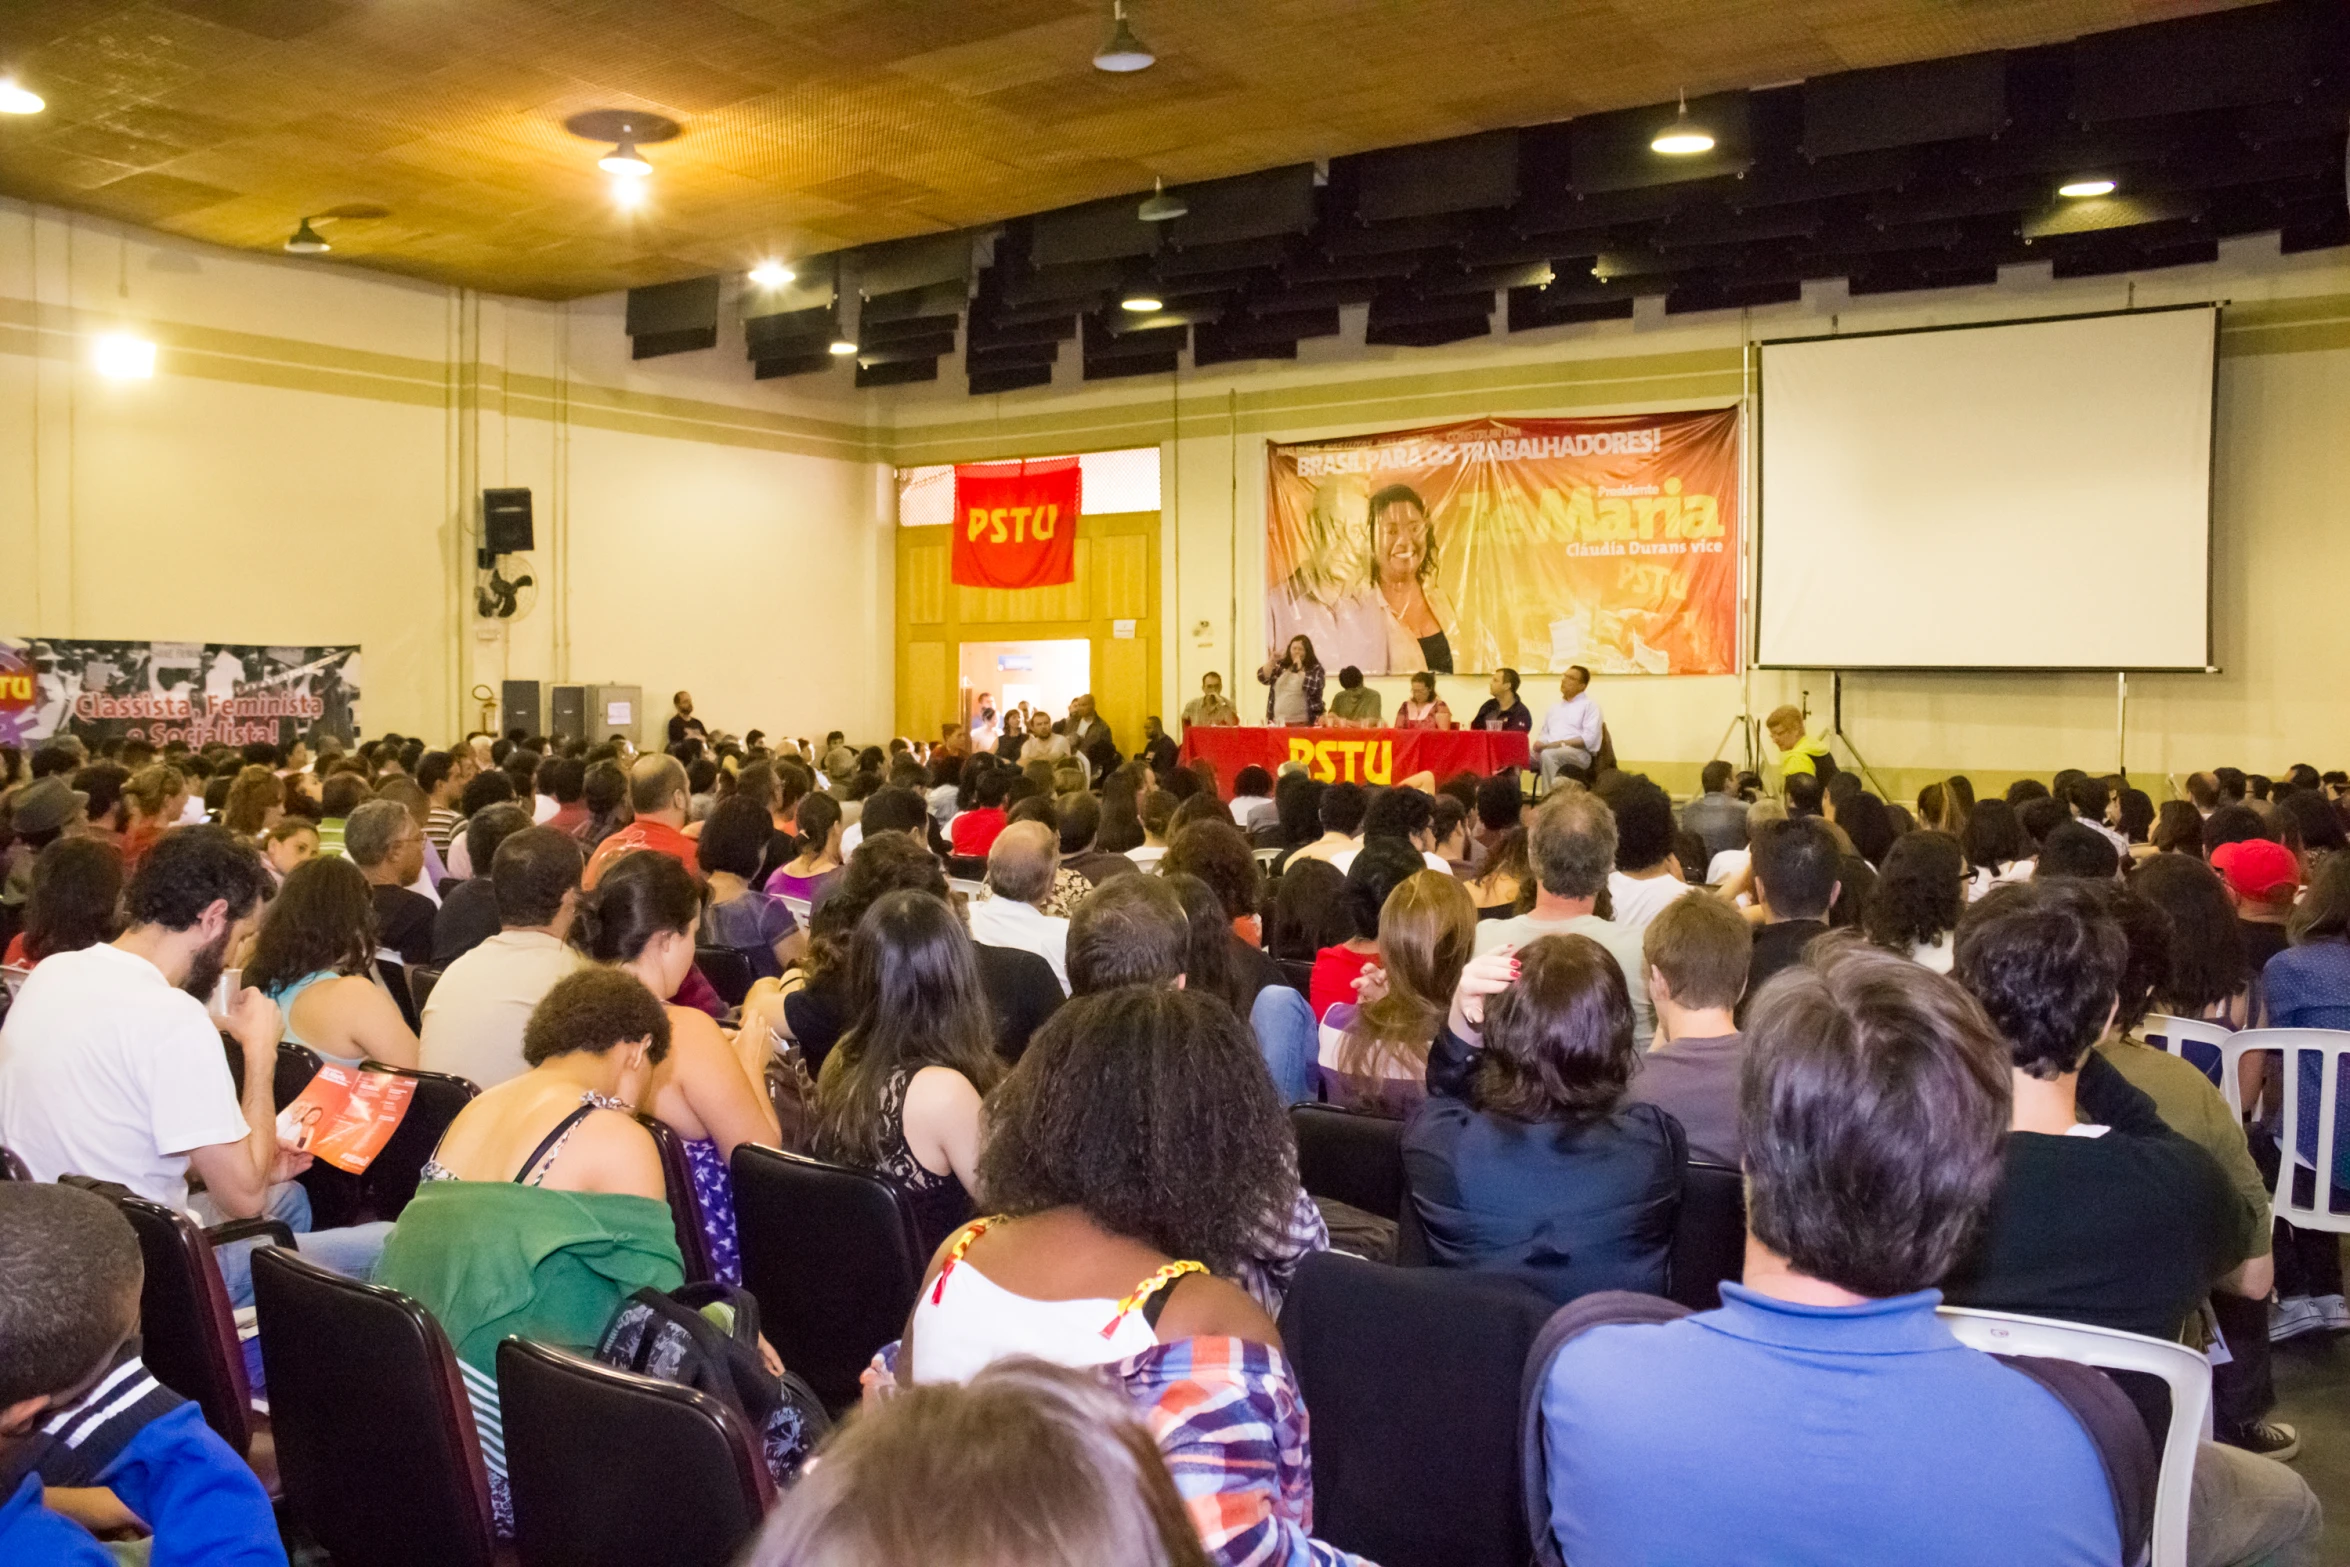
(1531, 544)
(1016, 523)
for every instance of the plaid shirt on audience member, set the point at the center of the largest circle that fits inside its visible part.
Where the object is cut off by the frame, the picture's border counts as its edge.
(1281, 1246)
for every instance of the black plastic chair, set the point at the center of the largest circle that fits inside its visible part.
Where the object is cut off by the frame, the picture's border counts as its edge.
(832, 1256)
(421, 979)
(1297, 974)
(685, 1204)
(187, 1328)
(1709, 1234)
(1413, 1377)
(1350, 1157)
(12, 1168)
(375, 1438)
(394, 974)
(390, 1181)
(967, 867)
(612, 1469)
(728, 971)
(296, 1066)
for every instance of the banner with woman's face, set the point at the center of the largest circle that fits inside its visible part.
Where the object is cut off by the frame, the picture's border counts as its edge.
(1528, 543)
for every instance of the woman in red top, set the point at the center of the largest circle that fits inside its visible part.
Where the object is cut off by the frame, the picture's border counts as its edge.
(1423, 710)
(156, 795)
(974, 831)
(1379, 867)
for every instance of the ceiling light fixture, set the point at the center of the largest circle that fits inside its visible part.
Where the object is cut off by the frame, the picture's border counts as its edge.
(625, 160)
(1122, 51)
(2079, 188)
(843, 345)
(627, 193)
(1159, 207)
(1684, 137)
(306, 242)
(1142, 301)
(771, 274)
(15, 99)
(124, 356)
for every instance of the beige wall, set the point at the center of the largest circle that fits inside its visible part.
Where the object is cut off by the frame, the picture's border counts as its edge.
(2282, 494)
(305, 467)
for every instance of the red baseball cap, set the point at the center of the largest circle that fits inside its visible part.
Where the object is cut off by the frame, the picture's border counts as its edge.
(2258, 870)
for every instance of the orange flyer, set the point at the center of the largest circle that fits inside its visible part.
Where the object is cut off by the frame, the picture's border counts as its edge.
(345, 1116)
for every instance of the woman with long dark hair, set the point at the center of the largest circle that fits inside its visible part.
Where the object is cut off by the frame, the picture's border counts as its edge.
(1293, 685)
(710, 1089)
(1121, 829)
(1920, 894)
(810, 872)
(900, 1093)
(76, 900)
(2210, 977)
(315, 957)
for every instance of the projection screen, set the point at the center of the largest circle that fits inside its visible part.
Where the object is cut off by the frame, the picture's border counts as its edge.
(2026, 495)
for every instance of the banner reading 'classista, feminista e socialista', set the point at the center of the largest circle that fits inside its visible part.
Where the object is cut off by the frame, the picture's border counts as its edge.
(199, 692)
(1527, 543)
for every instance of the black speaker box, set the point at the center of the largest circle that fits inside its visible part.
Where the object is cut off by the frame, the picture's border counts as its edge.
(505, 522)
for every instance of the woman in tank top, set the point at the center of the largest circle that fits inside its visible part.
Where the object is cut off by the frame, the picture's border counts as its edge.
(315, 957)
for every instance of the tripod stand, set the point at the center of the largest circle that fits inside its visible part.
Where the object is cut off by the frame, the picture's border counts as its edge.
(1836, 732)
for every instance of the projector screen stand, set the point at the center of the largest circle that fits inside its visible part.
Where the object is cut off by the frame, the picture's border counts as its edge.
(1836, 732)
(1743, 727)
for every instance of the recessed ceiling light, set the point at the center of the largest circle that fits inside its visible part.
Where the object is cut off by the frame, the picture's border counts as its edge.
(1122, 51)
(306, 241)
(1159, 207)
(771, 274)
(2079, 188)
(1684, 137)
(1142, 301)
(625, 160)
(15, 99)
(125, 356)
(843, 346)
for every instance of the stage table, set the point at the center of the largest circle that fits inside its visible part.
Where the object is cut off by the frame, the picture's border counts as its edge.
(1374, 756)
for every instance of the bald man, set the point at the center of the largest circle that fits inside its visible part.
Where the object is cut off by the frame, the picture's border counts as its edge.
(660, 796)
(1020, 868)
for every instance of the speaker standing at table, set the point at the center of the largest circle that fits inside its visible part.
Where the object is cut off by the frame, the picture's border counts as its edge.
(1569, 734)
(1293, 677)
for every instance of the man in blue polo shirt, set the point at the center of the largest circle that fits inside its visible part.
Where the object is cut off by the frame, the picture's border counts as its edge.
(1823, 1413)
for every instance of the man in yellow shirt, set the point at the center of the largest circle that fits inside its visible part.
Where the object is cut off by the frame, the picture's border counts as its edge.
(1799, 753)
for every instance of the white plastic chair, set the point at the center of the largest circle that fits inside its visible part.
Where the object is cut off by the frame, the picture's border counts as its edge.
(2187, 1374)
(972, 890)
(14, 979)
(2168, 1033)
(2332, 1044)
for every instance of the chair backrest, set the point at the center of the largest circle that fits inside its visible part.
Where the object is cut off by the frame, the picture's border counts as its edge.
(296, 1066)
(1413, 1377)
(421, 979)
(12, 1168)
(394, 974)
(2193, 1040)
(2309, 1136)
(2187, 1373)
(608, 1467)
(685, 1205)
(375, 1438)
(1709, 1234)
(188, 1328)
(391, 1179)
(967, 867)
(728, 971)
(832, 1256)
(1297, 974)
(1354, 1158)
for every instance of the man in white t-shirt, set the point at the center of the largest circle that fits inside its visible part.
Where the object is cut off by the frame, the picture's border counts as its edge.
(1648, 873)
(1020, 866)
(1572, 846)
(474, 1018)
(111, 1068)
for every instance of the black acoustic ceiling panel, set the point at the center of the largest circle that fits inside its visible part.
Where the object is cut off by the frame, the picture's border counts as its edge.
(1611, 152)
(2227, 59)
(673, 318)
(1465, 174)
(1254, 206)
(1905, 105)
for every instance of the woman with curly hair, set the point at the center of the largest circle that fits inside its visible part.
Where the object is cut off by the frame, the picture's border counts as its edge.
(156, 796)
(1130, 1160)
(1921, 891)
(315, 957)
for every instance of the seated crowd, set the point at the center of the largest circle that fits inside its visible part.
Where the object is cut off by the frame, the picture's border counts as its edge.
(1063, 1002)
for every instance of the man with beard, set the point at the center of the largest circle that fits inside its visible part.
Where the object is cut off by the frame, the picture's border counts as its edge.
(110, 1065)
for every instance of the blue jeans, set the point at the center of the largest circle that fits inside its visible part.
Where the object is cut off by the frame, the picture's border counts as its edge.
(1287, 1039)
(350, 1252)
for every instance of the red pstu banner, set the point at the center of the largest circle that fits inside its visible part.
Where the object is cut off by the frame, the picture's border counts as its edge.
(1016, 523)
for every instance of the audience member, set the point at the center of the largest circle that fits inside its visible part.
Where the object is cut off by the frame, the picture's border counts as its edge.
(740, 918)
(387, 845)
(1800, 756)
(2262, 880)
(1648, 875)
(657, 796)
(553, 1162)
(1822, 1410)
(973, 832)
(1375, 1056)
(2178, 828)
(1918, 899)
(807, 870)
(288, 844)
(110, 1066)
(76, 901)
(256, 803)
(1252, 796)
(2077, 851)
(315, 957)
(1020, 866)
(1717, 815)
(468, 914)
(1355, 900)
(1572, 849)
(39, 814)
(2209, 978)
(1527, 1158)
(900, 1092)
(1028, 1465)
(1081, 851)
(339, 794)
(485, 788)
(1795, 873)
(156, 796)
(2308, 986)
(1340, 808)
(479, 1011)
(711, 1088)
(81, 1417)
(1697, 951)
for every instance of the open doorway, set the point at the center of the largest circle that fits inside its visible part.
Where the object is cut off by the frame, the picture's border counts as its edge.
(998, 677)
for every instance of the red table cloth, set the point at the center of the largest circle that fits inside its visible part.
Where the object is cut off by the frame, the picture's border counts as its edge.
(1373, 756)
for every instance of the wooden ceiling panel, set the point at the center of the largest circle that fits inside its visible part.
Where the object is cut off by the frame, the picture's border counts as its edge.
(810, 124)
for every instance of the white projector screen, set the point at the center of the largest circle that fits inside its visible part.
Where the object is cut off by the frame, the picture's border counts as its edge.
(2030, 495)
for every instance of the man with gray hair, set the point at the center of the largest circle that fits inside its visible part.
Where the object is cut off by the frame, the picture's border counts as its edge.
(1020, 867)
(1572, 847)
(660, 795)
(1128, 931)
(387, 844)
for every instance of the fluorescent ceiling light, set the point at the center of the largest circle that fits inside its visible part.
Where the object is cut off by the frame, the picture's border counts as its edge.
(625, 160)
(1142, 302)
(125, 357)
(771, 274)
(2078, 188)
(1123, 51)
(843, 346)
(15, 99)
(1684, 137)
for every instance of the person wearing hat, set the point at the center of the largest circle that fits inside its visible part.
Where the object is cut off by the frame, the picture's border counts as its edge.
(840, 771)
(2263, 879)
(42, 812)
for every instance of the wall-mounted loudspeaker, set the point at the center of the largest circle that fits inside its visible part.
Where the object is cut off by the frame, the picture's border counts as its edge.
(505, 524)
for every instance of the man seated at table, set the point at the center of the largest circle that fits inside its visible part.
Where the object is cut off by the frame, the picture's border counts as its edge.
(1569, 736)
(1356, 706)
(1210, 709)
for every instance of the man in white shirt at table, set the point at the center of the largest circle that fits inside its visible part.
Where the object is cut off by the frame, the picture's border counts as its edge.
(1568, 735)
